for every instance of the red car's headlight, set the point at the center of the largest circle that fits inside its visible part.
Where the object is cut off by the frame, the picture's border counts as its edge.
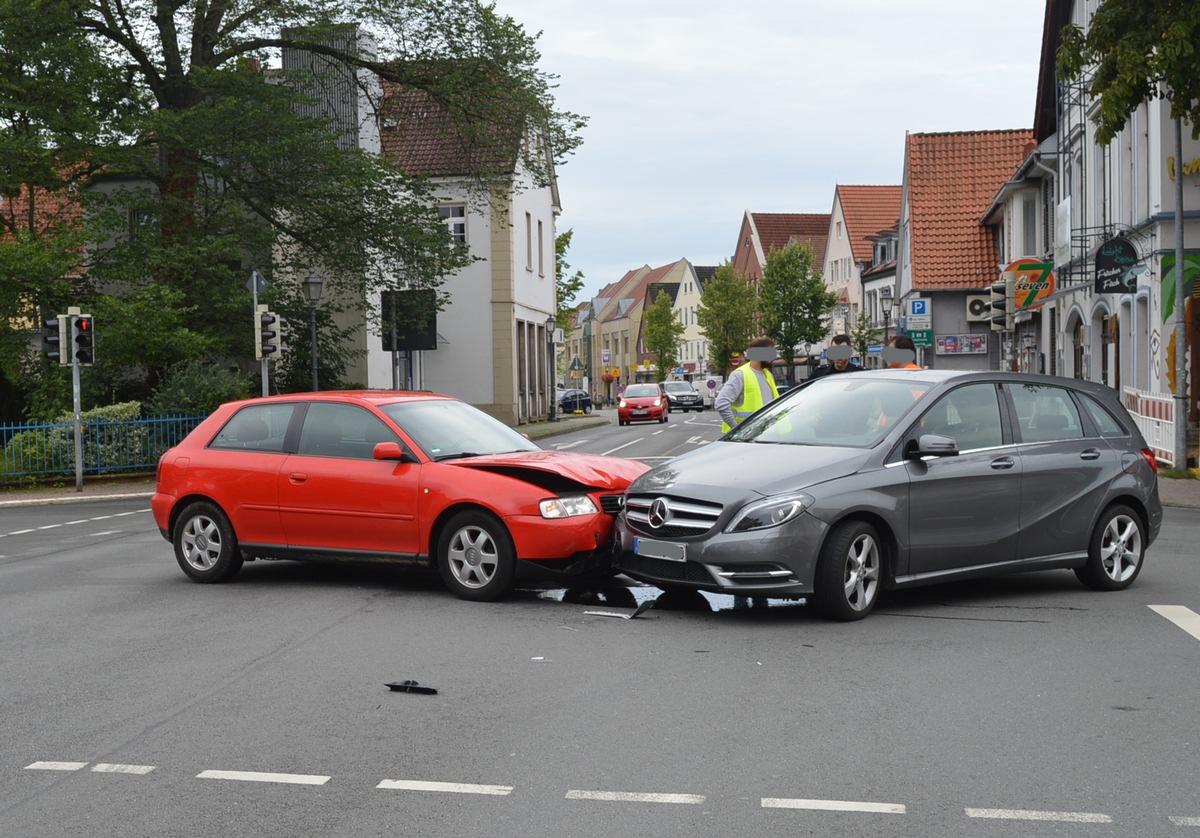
(567, 507)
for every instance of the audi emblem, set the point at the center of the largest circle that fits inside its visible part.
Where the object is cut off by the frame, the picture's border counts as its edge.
(660, 513)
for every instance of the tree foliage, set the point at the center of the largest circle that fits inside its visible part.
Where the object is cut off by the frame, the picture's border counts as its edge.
(793, 299)
(726, 314)
(194, 135)
(862, 335)
(1138, 50)
(663, 332)
(566, 283)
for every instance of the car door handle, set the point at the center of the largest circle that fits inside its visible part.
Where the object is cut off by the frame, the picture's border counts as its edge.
(1003, 462)
(297, 477)
(1090, 454)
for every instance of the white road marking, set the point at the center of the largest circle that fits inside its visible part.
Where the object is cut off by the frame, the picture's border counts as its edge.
(50, 527)
(833, 805)
(80, 521)
(1184, 821)
(619, 447)
(1034, 815)
(1185, 618)
(21, 532)
(453, 788)
(696, 440)
(105, 532)
(123, 514)
(55, 766)
(567, 445)
(265, 777)
(117, 768)
(634, 797)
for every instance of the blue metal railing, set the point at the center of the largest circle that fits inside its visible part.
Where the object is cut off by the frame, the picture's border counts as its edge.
(109, 447)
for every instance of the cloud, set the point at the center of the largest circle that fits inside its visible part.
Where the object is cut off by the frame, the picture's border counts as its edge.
(701, 110)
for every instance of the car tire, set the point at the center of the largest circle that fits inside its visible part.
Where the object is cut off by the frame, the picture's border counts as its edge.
(205, 546)
(849, 572)
(475, 557)
(1115, 552)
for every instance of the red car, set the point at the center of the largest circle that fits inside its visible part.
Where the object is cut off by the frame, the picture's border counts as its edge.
(393, 476)
(643, 403)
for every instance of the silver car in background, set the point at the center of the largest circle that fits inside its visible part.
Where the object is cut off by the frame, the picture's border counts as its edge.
(852, 484)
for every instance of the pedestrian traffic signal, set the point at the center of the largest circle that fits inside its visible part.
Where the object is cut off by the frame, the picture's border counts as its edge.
(52, 335)
(83, 339)
(281, 335)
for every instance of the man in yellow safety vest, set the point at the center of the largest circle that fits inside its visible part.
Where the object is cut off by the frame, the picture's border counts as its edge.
(750, 386)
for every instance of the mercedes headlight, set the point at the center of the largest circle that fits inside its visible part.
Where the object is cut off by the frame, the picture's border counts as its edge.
(769, 512)
(567, 507)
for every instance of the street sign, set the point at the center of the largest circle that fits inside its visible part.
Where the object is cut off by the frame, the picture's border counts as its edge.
(920, 322)
(921, 338)
(919, 306)
(576, 365)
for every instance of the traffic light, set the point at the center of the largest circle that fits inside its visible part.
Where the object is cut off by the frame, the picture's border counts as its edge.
(281, 335)
(83, 339)
(266, 333)
(52, 335)
(999, 304)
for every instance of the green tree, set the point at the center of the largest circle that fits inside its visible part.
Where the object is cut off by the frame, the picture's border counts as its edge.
(240, 165)
(863, 335)
(794, 301)
(1138, 50)
(726, 315)
(566, 283)
(663, 333)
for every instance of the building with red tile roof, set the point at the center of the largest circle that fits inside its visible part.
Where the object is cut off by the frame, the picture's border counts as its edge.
(946, 250)
(859, 213)
(762, 232)
(492, 335)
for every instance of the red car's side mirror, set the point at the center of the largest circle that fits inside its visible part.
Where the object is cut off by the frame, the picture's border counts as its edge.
(391, 451)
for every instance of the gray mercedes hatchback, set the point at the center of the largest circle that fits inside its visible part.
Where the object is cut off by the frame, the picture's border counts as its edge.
(852, 484)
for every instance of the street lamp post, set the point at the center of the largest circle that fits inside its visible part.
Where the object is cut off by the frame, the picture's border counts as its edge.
(312, 293)
(551, 372)
(886, 302)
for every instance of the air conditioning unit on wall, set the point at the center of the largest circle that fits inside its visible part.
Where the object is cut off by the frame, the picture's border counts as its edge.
(977, 310)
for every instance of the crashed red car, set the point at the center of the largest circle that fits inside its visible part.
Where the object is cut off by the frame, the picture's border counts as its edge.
(385, 476)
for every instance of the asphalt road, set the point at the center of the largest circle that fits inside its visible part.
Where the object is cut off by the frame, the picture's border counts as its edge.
(138, 703)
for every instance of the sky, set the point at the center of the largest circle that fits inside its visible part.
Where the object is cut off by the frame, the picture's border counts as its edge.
(702, 109)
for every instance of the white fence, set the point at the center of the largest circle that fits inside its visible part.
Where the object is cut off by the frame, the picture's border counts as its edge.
(1154, 414)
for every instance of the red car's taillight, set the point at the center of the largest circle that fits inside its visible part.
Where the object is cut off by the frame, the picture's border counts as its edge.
(1149, 455)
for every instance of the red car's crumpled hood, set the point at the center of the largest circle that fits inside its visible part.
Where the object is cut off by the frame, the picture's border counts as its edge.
(589, 469)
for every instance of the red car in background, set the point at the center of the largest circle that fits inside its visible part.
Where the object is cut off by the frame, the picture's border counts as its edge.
(412, 478)
(643, 403)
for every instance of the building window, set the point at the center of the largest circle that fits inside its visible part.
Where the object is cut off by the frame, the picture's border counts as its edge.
(1029, 226)
(541, 251)
(528, 242)
(456, 220)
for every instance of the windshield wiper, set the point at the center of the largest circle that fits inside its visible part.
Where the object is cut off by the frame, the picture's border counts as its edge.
(458, 456)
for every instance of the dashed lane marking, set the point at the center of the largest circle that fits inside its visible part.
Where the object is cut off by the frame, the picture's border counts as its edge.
(55, 766)
(1184, 821)
(619, 447)
(452, 788)
(634, 796)
(80, 521)
(1035, 815)
(265, 777)
(117, 768)
(833, 805)
(1184, 617)
(105, 532)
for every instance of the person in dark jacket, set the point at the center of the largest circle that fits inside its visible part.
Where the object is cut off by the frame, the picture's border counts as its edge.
(841, 358)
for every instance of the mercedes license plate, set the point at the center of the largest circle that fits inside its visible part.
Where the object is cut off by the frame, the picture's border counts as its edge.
(659, 549)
